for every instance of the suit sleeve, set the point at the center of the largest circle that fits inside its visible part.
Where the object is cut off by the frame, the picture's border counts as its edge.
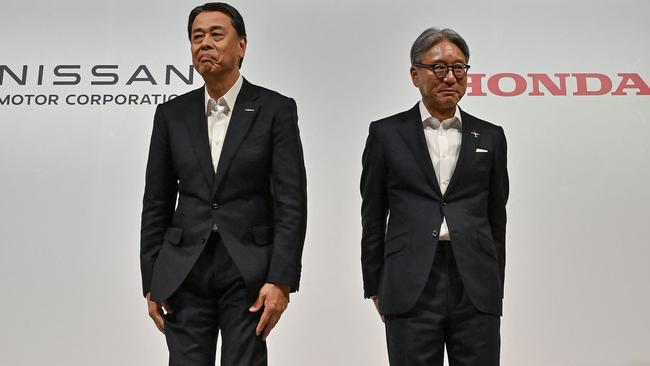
(499, 187)
(289, 189)
(159, 198)
(374, 211)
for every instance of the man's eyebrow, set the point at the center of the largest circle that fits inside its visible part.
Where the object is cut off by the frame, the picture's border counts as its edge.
(214, 27)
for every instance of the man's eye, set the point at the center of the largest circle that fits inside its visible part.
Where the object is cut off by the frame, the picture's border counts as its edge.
(439, 67)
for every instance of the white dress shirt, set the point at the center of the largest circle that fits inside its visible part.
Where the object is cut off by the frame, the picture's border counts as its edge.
(218, 115)
(443, 141)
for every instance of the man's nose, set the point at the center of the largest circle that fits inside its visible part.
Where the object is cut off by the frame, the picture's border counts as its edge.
(450, 78)
(206, 42)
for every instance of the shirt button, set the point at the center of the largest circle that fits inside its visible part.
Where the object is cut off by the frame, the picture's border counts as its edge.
(444, 203)
(434, 233)
(215, 206)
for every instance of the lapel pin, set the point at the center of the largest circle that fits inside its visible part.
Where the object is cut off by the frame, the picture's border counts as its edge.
(475, 134)
(249, 110)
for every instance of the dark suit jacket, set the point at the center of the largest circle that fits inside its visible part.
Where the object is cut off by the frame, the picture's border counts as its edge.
(257, 197)
(403, 208)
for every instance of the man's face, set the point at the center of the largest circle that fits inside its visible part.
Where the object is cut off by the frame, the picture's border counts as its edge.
(216, 46)
(445, 93)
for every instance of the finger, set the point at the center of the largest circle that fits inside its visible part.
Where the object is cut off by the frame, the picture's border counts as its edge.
(266, 316)
(258, 303)
(159, 321)
(168, 309)
(269, 327)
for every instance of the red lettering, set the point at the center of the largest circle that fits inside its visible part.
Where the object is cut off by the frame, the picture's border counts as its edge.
(495, 88)
(551, 87)
(581, 84)
(474, 85)
(632, 81)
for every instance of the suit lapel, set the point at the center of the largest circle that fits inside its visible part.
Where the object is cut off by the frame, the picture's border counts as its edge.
(198, 127)
(242, 118)
(412, 132)
(469, 141)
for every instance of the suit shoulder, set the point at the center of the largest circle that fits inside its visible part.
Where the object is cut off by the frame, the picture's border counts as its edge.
(183, 99)
(489, 126)
(271, 95)
(390, 122)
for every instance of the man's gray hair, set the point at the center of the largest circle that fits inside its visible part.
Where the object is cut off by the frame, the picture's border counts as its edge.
(430, 37)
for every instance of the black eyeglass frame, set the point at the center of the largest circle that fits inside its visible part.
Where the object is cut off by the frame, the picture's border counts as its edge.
(453, 67)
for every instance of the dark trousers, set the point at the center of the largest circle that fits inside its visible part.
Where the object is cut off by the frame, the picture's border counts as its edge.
(213, 299)
(443, 315)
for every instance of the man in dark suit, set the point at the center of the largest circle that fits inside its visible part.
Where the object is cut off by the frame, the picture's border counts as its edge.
(224, 209)
(434, 189)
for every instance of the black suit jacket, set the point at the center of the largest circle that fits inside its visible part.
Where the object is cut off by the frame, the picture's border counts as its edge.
(403, 208)
(257, 197)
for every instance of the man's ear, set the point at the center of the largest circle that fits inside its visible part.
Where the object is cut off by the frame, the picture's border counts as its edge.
(243, 41)
(414, 75)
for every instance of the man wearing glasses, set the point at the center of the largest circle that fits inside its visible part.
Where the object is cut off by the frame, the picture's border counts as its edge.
(434, 189)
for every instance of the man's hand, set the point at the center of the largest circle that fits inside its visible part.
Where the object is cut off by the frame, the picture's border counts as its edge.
(274, 299)
(375, 300)
(156, 311)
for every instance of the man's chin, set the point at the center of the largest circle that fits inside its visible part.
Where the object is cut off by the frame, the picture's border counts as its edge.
(449, 102)
(209, 70)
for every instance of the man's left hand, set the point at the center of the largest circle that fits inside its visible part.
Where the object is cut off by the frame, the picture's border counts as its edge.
(274, 298)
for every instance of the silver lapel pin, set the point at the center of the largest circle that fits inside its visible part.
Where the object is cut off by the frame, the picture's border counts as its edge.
(249, 110)
(475, 134)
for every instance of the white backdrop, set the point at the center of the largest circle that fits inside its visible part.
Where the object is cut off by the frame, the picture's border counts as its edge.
(72, 176)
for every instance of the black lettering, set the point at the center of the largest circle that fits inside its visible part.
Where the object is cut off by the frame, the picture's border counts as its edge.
(74, 75)
(40, 75)
(67, 99)
(40, 99)
(96, 71)
(120, 99)
(142, 68)
(107, 98)
(145, 99)
(53, 99)
(17, 99)
(95, 99)
(187, 80)
(19, 81)
(4, 101)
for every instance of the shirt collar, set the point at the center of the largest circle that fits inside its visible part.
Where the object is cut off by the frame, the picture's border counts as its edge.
(229, 98)
(453, 122)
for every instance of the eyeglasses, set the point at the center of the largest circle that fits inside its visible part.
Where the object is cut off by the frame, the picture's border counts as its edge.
(441, 70)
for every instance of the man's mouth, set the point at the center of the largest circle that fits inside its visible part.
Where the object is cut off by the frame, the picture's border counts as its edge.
(206, 58)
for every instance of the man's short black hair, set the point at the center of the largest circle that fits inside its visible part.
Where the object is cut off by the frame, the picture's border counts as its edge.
(235, 18)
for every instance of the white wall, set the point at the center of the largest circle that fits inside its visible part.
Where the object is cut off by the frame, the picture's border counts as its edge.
(72, 176)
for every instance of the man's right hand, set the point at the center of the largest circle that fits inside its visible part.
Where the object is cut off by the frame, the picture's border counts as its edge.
(156, 311)
(375, 300)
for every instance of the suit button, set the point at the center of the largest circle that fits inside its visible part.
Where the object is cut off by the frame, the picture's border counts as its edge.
(444, 203)
(215, 206)
(434, 233)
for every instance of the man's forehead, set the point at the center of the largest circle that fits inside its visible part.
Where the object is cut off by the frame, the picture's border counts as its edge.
(445, 48)
(211, 20)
